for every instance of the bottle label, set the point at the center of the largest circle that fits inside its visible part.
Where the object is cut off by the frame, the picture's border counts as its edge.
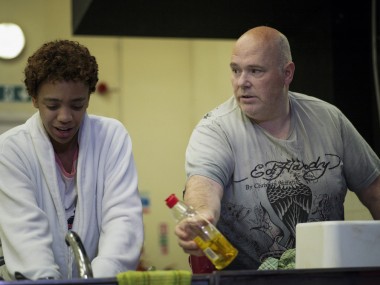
(210, 254)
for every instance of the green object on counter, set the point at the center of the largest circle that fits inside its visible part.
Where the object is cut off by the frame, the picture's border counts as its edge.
(159, 277)
(286, 261)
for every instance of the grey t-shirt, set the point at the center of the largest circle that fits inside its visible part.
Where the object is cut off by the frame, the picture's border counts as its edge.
(271, 184)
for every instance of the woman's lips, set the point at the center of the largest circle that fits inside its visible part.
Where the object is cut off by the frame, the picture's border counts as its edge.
(63, 132)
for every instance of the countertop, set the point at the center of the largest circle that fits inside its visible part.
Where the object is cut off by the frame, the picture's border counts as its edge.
(330, 276)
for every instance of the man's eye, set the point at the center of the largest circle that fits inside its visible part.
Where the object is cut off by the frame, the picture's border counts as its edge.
(255, 71)
(52, 107)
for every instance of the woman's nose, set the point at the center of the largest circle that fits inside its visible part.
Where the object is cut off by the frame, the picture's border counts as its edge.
(64, 115)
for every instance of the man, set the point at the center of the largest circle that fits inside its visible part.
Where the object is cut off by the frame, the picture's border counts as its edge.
(268, 158)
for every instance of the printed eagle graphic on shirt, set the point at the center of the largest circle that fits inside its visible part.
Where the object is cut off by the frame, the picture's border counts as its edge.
(292, 205)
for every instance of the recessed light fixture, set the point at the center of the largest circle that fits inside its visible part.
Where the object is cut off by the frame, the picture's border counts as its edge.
(12, 40)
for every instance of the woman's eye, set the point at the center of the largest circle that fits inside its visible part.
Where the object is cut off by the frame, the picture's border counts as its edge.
(77, 107)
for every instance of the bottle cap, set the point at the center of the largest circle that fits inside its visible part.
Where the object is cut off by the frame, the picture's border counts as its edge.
(171, 200)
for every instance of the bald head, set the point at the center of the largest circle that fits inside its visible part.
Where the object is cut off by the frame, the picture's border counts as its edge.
(266, 38)
(262, 70)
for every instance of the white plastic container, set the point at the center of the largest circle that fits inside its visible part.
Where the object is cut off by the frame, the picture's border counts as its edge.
(334, 244)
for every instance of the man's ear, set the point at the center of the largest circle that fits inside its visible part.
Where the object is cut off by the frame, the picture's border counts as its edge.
(289, 72)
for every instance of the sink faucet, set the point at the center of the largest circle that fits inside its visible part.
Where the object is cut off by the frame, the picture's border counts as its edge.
(84, 266)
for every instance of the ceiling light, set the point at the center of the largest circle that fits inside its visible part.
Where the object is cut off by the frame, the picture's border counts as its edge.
(12, 40)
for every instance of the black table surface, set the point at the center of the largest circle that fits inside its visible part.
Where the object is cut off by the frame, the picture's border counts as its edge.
(329, 276)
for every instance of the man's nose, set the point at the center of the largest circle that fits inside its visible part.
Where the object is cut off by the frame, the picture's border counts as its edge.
(243, 80)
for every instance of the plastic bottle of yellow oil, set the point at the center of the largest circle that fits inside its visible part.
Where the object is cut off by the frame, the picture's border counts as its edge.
(214, 245)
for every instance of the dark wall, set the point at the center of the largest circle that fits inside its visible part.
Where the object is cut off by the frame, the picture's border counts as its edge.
(353, 81)
(330, 40)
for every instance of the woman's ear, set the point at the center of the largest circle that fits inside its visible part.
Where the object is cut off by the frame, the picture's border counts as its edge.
(35, 102)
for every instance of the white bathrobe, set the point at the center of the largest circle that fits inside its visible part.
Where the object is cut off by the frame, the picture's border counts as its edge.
(108, 215)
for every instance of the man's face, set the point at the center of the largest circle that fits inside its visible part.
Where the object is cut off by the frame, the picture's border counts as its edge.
(62, 106)
(258, 79)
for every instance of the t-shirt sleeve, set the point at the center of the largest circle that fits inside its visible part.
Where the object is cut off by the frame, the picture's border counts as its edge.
(361, 164)
(209, 153)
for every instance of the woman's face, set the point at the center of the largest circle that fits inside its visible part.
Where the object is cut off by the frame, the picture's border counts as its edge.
(62, 106)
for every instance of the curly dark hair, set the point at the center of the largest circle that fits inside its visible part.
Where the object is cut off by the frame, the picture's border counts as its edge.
(60, 60)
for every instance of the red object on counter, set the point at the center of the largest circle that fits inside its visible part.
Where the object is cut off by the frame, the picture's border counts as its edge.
(201, 264)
